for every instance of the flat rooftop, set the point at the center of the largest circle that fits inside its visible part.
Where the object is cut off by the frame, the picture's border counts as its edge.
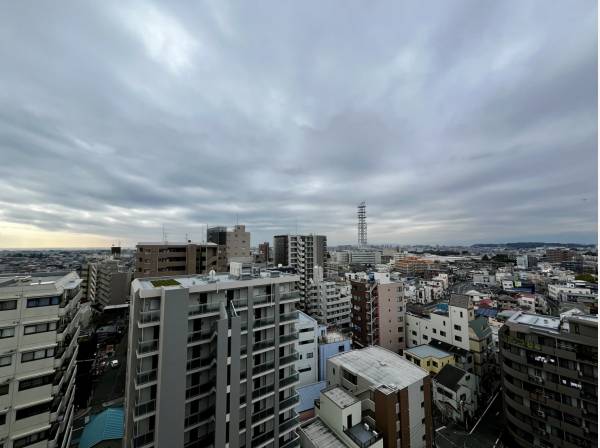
(340, 397)
(167, 244)
(536, 320)
(425, 351)
(380, 367)
(191, 281)
(320, 435)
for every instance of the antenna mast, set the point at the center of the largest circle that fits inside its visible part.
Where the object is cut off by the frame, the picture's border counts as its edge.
(362, 224)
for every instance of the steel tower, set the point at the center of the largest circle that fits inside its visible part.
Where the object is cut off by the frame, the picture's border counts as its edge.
(362, 224)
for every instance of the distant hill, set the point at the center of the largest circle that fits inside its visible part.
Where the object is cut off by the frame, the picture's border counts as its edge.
(531, 245)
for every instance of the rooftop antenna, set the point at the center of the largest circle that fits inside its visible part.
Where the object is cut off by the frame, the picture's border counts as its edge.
(362, 224)
(164, 234)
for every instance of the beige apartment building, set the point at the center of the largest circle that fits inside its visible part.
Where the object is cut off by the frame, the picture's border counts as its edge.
(234, 244)
(167, 259)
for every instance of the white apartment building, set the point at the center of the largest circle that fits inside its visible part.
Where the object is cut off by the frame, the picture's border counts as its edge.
(39, 318)
(329, 302)
(212, 361)
(451, 327)
(308, 349)
(105, 282)
(484, 278)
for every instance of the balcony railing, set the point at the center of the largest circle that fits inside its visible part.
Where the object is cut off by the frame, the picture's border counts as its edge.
(260, 368)
(149, 316)
(261, 300)
(204, 308)
(288, 317)
(145, 408)
(143, 439)
(147, 346)
(200, 417)
(145, 377)
(294, 377)
(289, 359)
(290, 401)
(262, 438)
(261, 415)
(263, 391)
(260, 345)
(198, 363)
(288, 337)
(289, 423)
(199, 389)
(200, 336)
(264, 322)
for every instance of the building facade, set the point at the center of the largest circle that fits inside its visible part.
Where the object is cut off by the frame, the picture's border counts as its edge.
(227, 376)
(168, 259)
(307, 348)
(234, 244)
(329, 302)
(105, 282)
(39, 327)
(549, 369)
(395, 394)
(378, 314)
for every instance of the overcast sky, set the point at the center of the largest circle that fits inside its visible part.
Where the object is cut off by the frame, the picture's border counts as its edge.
(469, 122)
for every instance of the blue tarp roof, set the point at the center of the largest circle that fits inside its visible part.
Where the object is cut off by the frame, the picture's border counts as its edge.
(108, 425)
(487, 312)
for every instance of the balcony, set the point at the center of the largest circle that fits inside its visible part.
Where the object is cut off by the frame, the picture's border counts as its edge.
(288, 317)
(263, 323)
(204, 308)
(261, 368)
(288, 424)
(240, 303)
(200, 336)
(292, 296)
(292, 443)
(261, 345)
(145, 408)
(200, 363)
(150, 316)
(262, 391)
(266, 299)
(146, 347)
(262, 439)
(289, 402)
(286, 338)
(143, 440)
(289, 359)
(200, 417)
(261, 416)
(288, 381)
(142, 378)
(199, 390)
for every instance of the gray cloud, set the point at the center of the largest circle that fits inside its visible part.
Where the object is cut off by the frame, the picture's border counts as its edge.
(462, 123)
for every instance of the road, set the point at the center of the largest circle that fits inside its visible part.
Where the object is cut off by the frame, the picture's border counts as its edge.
(485, 435)
(111, 385)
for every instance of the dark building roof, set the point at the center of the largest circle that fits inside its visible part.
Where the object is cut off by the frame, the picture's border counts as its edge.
(487, 312)
(480, 327)
(450, 376)
(459, 300)
(448, 347)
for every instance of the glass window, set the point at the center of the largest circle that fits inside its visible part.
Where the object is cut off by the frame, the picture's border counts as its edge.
(7, 332)
(42, 301)
(5, 361)
(6, 305)
(36, 382)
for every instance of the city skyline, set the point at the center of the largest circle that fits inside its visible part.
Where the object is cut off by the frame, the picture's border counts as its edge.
(462, 124)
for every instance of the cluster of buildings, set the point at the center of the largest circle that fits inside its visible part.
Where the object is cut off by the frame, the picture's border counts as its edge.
(295, 344)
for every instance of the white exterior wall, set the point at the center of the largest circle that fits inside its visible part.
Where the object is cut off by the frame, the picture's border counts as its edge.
(307, 347)
(416, 414)
(443, 325)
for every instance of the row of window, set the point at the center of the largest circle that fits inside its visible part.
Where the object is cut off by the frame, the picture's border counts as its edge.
(7, 305)
(33, 355)
(9, 332)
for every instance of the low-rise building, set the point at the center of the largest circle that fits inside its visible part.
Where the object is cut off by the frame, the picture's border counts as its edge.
(168, 259)
(455, 393)
(428, 357)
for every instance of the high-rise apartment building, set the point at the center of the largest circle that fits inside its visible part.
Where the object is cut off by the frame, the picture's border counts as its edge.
(212, 361)
(304, 252)
(39, 327)
(328, 301)
(105, 282)
(165, 259)
(234, 243)
(378, 314)
(549, 371)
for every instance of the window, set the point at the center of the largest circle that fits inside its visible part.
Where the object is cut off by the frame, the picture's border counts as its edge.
(7, 332)
(422, 404)
(5, 361)
(414, 342)
(309, 341)
(40, 328)
(37, 354)
(31, 439)
(425, 337)
(6, 305)
(304, 369)
(39, 381)
(2, 419)
(4, 389)
(33, 410)
(309, 355)
(435, 364)
(461, 315)
(443, 333)
(457, 327)
(463, 397)
(434, 331)
(414, 333)
(458, 338)
(421, 388)
(349, 377)
(340, 349)
(42, 301)
(305, 330)
(423, 422)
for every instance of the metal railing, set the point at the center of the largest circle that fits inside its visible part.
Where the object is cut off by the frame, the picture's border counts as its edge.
(145, 408)
(149, 316)
(147, 346)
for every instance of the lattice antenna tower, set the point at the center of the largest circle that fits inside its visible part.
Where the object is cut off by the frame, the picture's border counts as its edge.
(362, 224)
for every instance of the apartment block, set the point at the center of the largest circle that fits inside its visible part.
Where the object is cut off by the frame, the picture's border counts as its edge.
(304, 252)
(455, 394)
(234, 244)
(105, 282)
(168, 259)
(378, 314)
(212, 361)
(395, 395)
(549, 371)
(39, 327)
(328, 302)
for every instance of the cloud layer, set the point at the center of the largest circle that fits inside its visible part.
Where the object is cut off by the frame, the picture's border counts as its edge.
(462, 123)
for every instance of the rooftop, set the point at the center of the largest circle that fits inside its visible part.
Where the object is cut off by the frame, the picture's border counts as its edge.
(424, 351)
(320, 435)
(536, 320)
(108, 425)
(450, 376)
(168, 243)
(380, 367)
(339, 396)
